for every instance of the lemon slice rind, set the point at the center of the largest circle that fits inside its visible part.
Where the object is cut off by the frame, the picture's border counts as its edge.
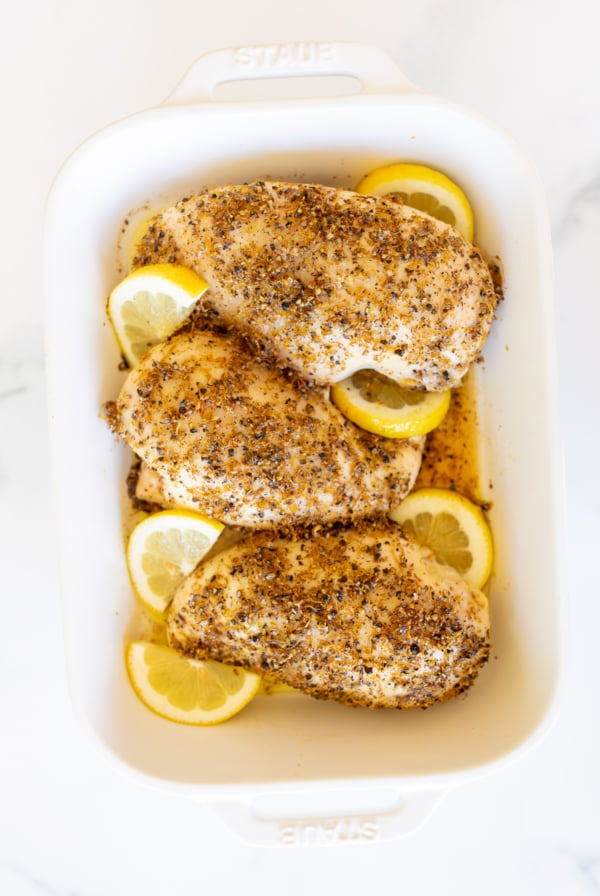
(453, 527)
(420, 181)
(415, 418)
(164, 548)
(188, 691)
(150, 304)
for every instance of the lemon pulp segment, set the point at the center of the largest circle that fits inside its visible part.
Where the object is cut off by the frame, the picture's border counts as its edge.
(424, 189)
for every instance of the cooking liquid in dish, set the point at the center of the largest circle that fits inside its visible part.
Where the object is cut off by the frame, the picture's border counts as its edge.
(451, 458)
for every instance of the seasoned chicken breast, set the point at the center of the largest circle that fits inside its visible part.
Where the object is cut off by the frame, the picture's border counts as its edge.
(360, 614)
(328, 282)
(249, 444)
(152, 488)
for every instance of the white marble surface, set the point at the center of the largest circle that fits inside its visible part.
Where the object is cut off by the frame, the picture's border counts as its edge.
(71, 826)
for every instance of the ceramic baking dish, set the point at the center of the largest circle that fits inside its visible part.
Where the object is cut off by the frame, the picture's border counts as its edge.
(290, 769)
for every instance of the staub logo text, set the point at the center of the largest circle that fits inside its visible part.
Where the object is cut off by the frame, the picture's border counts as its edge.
(328, 830)
(280, 56)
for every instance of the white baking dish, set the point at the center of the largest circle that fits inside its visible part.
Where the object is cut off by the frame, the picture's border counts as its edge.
(291, 769)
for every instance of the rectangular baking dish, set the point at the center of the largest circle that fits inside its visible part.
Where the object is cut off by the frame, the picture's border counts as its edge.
(290, 769)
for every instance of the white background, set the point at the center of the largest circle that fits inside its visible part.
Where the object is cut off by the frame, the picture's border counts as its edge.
(70, 824)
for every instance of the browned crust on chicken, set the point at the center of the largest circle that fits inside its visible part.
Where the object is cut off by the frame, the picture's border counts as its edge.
(361, 615)
(328, 281)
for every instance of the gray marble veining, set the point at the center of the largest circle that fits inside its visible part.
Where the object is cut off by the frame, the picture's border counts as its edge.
(582, 206)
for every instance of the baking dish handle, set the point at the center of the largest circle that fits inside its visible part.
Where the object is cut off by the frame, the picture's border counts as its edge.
(309, 819)
(374, 70)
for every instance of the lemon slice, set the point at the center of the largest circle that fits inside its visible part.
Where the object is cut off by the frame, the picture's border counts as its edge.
(424, 189)
(454, 529)
(150, 304)
(379, 405)
(181, 689)
(163, 549)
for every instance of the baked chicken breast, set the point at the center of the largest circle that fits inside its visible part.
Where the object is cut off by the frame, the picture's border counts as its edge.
(249, 444)
(358, 614)
(328, 281)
